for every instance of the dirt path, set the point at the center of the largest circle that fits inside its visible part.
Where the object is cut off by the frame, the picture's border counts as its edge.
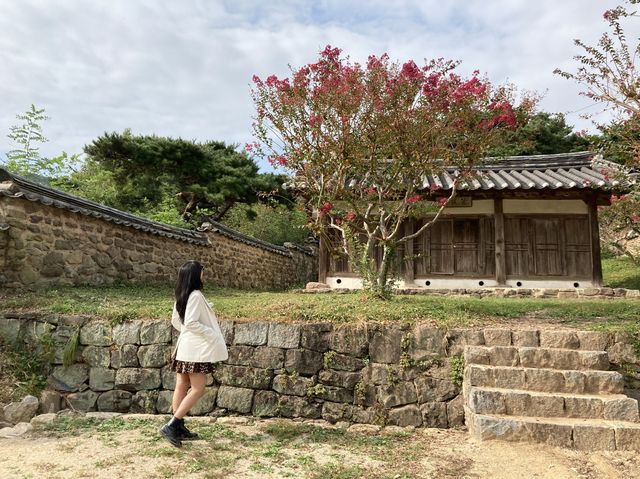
(130, 447)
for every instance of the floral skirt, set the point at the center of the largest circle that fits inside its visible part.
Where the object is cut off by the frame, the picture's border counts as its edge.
(186, 367)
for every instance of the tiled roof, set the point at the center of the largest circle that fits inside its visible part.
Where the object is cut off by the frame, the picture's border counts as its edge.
(582, 170)
(15, 186)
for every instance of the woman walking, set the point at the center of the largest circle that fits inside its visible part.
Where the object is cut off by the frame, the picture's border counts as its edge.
(199, 346)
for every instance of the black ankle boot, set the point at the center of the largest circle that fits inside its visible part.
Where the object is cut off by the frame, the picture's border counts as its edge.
(171, 433)
(185, 434)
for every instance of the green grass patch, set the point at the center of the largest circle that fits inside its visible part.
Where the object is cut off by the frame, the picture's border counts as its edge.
(621, 273)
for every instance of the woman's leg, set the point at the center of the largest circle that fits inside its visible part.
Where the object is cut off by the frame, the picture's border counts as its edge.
(197, 381)
(182, 386)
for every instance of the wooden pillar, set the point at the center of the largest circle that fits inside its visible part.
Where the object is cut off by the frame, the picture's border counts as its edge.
(596, 264)
(409, 272)
(501, 267)
(323, 256)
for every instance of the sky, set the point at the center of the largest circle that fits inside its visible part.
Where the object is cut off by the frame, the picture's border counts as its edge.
(183, 68)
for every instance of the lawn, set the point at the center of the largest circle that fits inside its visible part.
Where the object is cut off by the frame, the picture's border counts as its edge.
(124, 302)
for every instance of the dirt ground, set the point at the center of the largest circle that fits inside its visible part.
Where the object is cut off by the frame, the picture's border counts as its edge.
(130, 448)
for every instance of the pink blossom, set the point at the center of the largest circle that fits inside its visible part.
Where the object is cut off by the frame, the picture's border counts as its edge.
(372, 190)
(443, 202)
(314, 120)
(350, 216)
(414, 199)
(325, 208)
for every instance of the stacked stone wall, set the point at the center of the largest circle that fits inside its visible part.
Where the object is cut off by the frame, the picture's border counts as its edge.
(43, 245)
(405, 375)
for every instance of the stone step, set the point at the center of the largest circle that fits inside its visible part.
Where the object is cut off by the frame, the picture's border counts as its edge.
(532, 357)
(496, 401)
(548, 338)
(544, 380)
(583, 434)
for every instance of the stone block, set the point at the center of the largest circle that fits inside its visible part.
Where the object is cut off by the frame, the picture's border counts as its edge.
(294, 406)
(50, 402)
(154, 355)
(334, 412)
(339, 378)
(155, 332)
(405, 416)
(434, 414)
(497, 337)
(102, 379)
(10, 329)
(168, 378)
(265, 404)
(331, 393)
(483, 401)
(455, 412)
(398, 394)
(226, 327)
(431, 389)
(594, 438)
(22, 411)
(351, 340)
(292, 385)
(163, 404)
(96, 356)
(284, 335)
(84, 401)
(303, 361)
(235, 399)
(315, 336)
(342, 362)
(252, 333)
(559, 435)
(144, 402)
(206, 404)
(127, 333)
(267, 358)
(96, 333)
(623, 353)
(627, 438)
(116, 401)
(604, 382)
(525, 338)
(137, 379)
(43, 419)
(245, 377)
(559, 339)
(477, 355)
(385, 345)
(625, 409)
(70, 379)
(456, 339)
(598, 360)
(427, 341)
(594, 340)
(125, 357)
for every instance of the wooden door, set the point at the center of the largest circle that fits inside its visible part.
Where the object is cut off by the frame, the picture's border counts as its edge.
(578, 247)
(548, 246)
(466, 239)
(517, 246)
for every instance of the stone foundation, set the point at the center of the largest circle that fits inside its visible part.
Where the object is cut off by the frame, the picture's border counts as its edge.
(404, 375)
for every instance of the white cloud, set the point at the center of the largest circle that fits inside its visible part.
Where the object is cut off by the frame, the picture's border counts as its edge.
(184, 68)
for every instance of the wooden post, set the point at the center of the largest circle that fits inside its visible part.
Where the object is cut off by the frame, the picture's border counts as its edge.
(409, 272)
(596, 265)
(323, 256)
(501, 268)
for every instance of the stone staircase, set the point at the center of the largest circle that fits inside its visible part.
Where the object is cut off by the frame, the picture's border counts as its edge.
(548, 387)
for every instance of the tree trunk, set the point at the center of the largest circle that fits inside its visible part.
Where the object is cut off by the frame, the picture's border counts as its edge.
(383, 272)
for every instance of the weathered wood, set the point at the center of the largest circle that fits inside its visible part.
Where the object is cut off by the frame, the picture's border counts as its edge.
(466, 239)
(323, 262)
(547, 247)
(441, 252)
(595, 242)
(408, 259)
(578, 247)
(500, 250)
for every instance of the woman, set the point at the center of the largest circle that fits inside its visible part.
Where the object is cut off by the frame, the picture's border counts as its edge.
(199, 346)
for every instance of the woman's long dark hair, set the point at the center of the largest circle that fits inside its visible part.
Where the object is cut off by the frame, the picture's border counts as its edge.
(189, 279)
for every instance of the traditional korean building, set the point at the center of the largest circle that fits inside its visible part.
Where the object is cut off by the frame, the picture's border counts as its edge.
(527, 221)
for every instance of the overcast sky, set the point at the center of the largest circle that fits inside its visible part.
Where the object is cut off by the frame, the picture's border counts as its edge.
(182, 68)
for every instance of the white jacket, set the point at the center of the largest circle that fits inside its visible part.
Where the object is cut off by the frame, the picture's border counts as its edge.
(200, 339)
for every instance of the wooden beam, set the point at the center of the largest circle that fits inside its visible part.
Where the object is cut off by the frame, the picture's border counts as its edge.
(596, 264)
(409, 270)
(323, 256)
(501, 267)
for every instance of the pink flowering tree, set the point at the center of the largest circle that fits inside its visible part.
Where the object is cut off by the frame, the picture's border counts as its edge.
(358, 141)
(609, 75)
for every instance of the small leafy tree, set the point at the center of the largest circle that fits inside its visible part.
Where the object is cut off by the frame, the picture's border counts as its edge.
(25, 159)
(359, 140)
(609, 75)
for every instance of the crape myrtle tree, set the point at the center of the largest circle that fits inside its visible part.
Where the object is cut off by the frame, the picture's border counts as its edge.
(358, 141)
(609, 75)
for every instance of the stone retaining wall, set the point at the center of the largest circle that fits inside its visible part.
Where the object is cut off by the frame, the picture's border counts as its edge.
(43, 244)
(405, 375)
